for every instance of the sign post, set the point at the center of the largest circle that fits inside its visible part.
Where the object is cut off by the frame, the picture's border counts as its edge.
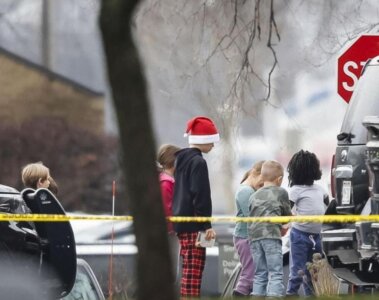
(351, 62)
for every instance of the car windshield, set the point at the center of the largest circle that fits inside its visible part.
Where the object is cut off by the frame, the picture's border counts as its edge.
(83, 288)
(365, 102)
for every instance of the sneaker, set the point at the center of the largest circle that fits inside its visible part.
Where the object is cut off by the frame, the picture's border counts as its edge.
(238, 294)
(291, 296)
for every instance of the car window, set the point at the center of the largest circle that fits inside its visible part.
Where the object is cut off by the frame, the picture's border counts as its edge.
(83, 288)
(365, 102)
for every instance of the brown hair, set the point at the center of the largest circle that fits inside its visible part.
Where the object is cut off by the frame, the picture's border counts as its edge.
(166, 156)
(255, 170)
(53, 186)
(33, 172)
(271, 170)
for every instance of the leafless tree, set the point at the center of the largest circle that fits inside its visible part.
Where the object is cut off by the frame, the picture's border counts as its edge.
(231, 58)
(214, 46)
(154, 271)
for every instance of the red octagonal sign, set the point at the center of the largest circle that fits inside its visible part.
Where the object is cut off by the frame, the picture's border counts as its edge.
(351, 62)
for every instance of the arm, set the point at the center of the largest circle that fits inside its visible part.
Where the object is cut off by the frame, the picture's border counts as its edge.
(243, 202)
(286, 211)
(286, 207)
(167, 189)
(292, 203)
(293, 197)
(200, 190)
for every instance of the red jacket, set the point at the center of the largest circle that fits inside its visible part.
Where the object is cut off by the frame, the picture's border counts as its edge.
(167, 190)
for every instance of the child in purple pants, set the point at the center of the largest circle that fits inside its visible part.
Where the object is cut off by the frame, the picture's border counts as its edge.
(249, 184)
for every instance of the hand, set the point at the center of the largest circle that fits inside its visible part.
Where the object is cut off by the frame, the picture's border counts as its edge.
(284, 229)
(210, 234)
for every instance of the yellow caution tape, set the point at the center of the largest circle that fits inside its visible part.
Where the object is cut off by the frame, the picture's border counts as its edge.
(282, 219)
(219, 219)
(60, 218)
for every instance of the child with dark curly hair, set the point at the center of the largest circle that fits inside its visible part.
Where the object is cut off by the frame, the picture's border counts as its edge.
(308, 199)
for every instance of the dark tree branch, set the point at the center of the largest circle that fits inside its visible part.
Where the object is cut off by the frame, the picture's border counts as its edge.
(257, 17)
(270, 46)
(254, 33)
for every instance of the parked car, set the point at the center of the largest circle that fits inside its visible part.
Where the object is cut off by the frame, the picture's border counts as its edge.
(94, 244)
(351, 247)
(40, 255)
(86, 286)
(100, 231)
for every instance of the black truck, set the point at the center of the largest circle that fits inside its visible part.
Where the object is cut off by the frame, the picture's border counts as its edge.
(352, 249)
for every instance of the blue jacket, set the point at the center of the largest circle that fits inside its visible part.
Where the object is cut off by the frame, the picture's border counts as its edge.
(243, 203)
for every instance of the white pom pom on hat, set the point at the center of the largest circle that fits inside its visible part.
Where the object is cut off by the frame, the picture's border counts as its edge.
(201, 130)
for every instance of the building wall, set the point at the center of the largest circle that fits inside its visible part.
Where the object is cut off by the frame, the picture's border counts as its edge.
(28, 92)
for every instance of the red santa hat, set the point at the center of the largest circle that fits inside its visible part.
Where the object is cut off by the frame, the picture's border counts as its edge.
(201, 130)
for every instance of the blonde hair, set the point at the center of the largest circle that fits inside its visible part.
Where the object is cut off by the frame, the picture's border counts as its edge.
(166, 156)
(53, 186)
(33, 172)
(271, 170)
(255, 170)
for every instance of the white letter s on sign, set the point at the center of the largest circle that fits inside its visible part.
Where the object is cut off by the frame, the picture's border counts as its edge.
(350, 74)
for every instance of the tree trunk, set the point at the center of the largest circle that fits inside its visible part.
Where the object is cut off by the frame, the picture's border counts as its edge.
(154, 271)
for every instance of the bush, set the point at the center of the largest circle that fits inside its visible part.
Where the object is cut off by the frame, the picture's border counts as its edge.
(83, 164)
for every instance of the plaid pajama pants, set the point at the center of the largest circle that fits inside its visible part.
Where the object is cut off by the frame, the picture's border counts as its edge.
(193, 264)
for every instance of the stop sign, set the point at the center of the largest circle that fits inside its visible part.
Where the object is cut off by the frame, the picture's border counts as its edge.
(351, 62)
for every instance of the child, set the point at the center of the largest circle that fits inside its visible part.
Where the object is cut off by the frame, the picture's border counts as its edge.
(266, 243)
(192, 197)
(35, 176)
(166, 160)
(249, 184)
(308, 198)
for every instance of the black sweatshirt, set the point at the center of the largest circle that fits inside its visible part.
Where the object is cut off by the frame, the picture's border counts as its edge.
(192, 194)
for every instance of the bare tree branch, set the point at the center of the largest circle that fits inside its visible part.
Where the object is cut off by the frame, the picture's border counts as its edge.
(269, 45)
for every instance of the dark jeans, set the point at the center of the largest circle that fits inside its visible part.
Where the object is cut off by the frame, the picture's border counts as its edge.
(301, 252)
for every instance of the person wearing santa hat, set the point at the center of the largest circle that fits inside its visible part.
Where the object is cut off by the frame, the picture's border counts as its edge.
(192, 197)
